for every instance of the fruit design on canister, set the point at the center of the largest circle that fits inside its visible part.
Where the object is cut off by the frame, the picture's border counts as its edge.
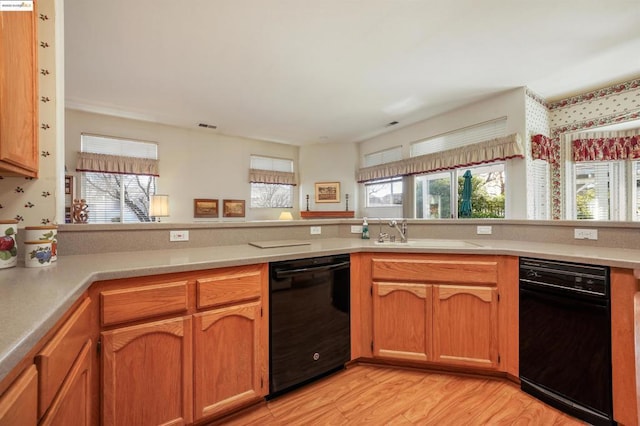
(52, 236)
(43, 254)
(8, 246)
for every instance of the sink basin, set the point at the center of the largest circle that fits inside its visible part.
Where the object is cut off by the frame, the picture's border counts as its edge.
(428, 242)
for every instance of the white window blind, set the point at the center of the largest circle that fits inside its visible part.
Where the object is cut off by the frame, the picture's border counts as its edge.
(116, 146)
(382, 157)
(540, 187)
(274, 164)
(592, 190)
(635, 190)
(462, 137)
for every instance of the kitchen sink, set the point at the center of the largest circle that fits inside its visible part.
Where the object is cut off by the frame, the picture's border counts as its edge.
(429, 242)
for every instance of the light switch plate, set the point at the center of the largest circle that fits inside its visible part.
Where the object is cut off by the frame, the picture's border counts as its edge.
(178, 235)
(316, 230)
(483, 230)
(585, 234)
(356, 229)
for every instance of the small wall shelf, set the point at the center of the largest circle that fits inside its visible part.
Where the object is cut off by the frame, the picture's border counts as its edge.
(305, 214)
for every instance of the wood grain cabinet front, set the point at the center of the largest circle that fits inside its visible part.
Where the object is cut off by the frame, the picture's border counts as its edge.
(18, 94)
(147, 374)
(229, 285)
(435, 309)
(19, 403)
(227, 362)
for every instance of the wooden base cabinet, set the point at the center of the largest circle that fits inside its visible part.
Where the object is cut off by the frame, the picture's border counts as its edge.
(147, 373)
(434, 308)
(227, 358)
(19, 404)
(402, 321)
(465, 320)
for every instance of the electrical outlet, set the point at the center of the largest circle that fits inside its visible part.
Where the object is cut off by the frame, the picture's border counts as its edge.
(483, 230)
(178, 235)
(585, 234)
(356, 229)
(316, 230)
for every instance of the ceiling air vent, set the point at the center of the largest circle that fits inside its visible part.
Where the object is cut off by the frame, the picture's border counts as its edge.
(393, 123)
(207, 126)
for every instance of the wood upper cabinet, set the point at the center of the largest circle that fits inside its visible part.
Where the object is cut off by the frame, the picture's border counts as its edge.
(19, 404)
(147, 374)
(402, 321)
(18, 94)
(72, 405)
(228, 365)
(465, 325)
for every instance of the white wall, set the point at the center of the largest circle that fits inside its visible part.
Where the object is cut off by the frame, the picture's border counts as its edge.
(329, 163)
(510, 104)
(193, 163)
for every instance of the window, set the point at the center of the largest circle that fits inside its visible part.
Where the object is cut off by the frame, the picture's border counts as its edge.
(437, 198)
(118, 176)
(635, 190)
(540, 189)
(384, 192)
(598, 190)
(272, 181)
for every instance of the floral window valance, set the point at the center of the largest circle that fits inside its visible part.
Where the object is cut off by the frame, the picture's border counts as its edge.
(606, 148)
(272, 177)
(103, 163)
(482, 152)
(542, 148)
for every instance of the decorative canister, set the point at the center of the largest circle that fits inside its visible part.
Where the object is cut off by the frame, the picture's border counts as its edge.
(40, 233)
(37, 253)
(8, 244)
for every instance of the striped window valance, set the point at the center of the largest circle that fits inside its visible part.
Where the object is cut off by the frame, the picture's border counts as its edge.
(482, 152)
(103, 163)
(272, 177)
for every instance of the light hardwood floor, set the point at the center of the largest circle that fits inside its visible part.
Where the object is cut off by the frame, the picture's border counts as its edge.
(372, 395)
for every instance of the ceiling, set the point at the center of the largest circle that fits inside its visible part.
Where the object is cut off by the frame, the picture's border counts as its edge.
(314, 71)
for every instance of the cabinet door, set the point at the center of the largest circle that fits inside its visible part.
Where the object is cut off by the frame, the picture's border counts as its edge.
(19, 404)
(18, 94)
(227, 370)
(465, 325)
(72, 405)
(147, 374)
(401, 321)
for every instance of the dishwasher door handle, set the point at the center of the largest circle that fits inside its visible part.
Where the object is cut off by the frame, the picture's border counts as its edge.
(283, 273)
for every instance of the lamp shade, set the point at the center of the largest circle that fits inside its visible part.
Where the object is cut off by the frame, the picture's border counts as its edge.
(159, 206)
(285, 216)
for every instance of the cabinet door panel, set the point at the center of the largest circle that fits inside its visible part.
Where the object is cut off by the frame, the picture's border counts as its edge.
(227, 370)
(401, 321)
(72, 405)
(18, 94)
(19, 404)
(147, 374)
(465, 322)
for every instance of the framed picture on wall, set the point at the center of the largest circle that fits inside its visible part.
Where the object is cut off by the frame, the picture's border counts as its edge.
(233, 208)
(327, 192)
(205, 207)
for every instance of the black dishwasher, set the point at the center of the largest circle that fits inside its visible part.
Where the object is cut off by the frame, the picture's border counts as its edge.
(309, 321)
(565, 337)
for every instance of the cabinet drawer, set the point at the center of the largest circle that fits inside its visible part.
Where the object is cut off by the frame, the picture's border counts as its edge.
(143, 302)
(445, 271)
(57, 357)
(223, 288)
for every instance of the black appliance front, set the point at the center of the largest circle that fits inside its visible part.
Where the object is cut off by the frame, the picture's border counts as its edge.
(565, 338)
(309, 320)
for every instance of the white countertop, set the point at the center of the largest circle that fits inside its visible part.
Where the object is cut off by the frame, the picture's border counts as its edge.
(33, 299)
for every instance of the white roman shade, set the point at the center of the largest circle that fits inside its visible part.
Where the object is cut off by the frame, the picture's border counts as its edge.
(488, 151)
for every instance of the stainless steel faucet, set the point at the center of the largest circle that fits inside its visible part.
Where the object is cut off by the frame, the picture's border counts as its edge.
(381, 235)
(402, 229)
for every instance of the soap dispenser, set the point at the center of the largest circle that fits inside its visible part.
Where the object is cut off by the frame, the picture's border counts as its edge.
(365, 229)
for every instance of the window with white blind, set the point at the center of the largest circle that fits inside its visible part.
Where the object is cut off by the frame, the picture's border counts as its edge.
(269, 192)
(599, 190)
(540, 188)
(635, 190)
(117, 196)
(461, 137)
(383, 192)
